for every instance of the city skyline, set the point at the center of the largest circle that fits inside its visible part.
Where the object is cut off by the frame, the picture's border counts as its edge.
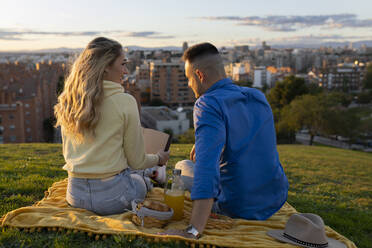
(35, 25)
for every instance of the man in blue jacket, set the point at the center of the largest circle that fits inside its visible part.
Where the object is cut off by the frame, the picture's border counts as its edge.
(237, 171)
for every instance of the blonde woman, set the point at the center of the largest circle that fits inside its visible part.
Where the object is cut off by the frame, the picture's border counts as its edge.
(102, 139)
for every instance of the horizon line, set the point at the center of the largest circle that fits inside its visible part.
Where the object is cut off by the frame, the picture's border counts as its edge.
(294, 45)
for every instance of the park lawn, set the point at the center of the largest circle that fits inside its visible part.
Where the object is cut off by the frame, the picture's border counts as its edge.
(333, 183)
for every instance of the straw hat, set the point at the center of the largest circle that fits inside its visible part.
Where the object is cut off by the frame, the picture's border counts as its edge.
(306, 230)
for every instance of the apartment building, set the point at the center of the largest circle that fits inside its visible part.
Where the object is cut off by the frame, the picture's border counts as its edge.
(27, 96)
(169, 83)
(344, 76)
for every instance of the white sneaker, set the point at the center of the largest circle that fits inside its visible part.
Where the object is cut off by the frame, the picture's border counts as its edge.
(160, 174)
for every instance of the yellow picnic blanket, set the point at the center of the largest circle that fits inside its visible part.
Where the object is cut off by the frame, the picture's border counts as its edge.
(54, 212)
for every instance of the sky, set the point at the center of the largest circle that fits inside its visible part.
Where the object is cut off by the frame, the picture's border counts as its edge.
(45, 24)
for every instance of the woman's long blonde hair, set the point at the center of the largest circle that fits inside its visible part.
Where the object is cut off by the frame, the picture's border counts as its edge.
(77, 108)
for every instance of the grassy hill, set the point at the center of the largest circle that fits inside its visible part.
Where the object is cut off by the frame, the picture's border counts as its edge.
(333, 183)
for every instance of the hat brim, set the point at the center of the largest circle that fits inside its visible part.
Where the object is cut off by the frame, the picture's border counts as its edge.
(278, 234)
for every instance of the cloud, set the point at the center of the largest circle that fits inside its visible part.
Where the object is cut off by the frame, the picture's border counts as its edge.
(299, 40)
(141, 34)
(6, 34)
(316, 39)
(149, 34)
(9, 35)
(293, 23)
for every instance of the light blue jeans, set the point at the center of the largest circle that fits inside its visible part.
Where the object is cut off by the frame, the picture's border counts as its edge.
(111, 195)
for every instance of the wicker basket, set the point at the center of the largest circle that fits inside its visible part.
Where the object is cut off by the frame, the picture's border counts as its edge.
(149, 222)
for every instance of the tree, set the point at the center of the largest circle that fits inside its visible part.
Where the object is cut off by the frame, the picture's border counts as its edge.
(280, 96)
(48, 129)
(320, 114)
(264, 88)
(244, 83)
(338, 97)
(367, 82)
(285, 133)
(285, 91)
(314, 89)
(349, 125)
(60, 85)
(312, 112)
(346, 85)
(365, 97)
(366, 126)
(188, 137)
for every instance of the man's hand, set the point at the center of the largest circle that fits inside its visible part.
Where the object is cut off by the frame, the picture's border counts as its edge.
(200, 213)
(181, 233)
(201, 209)
(192, 154)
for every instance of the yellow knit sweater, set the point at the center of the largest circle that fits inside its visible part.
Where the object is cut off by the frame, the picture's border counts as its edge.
(118, 142)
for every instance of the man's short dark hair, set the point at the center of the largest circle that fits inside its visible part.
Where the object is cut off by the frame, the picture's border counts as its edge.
(199, 50)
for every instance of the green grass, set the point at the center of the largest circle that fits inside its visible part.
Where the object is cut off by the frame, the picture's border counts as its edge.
(333, 183)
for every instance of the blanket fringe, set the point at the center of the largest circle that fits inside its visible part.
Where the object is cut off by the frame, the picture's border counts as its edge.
(129, 237)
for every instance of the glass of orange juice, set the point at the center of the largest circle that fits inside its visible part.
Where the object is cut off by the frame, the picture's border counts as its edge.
(174, 194)
(175, 199)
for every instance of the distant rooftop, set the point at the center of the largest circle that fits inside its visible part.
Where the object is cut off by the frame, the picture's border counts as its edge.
(160, 113)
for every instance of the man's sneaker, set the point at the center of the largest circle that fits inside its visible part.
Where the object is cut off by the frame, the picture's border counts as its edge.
(159, 175)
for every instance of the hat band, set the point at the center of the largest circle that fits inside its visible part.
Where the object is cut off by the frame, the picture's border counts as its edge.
(304, 242)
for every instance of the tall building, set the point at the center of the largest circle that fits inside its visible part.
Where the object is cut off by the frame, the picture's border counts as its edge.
(260, 76)
(28, 93)
(345, 76)
(267, 76)
(265, 46)
(184, 46)
(130, 87)
(276, 74)
(143, 82)
(242, 48)
(229, 69)
(240, 71)
(143, 76)
(12, 123)
(169, 83)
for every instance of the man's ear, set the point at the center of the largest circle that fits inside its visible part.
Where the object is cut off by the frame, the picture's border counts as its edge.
(200, 75)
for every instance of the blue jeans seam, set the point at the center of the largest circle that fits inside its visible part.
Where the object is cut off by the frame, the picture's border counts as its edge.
(143, 178)
(90, 195)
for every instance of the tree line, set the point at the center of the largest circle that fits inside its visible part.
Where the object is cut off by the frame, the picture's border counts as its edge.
(297, 106)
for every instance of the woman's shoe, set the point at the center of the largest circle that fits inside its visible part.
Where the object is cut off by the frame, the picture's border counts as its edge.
(159, 175)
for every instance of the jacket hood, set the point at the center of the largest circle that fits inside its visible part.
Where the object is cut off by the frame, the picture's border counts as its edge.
(111, 88)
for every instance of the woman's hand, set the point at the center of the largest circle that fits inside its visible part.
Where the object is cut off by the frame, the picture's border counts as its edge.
(192, 154)
(163, 157)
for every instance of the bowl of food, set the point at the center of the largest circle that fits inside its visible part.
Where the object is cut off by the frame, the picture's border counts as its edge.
(150, 213)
